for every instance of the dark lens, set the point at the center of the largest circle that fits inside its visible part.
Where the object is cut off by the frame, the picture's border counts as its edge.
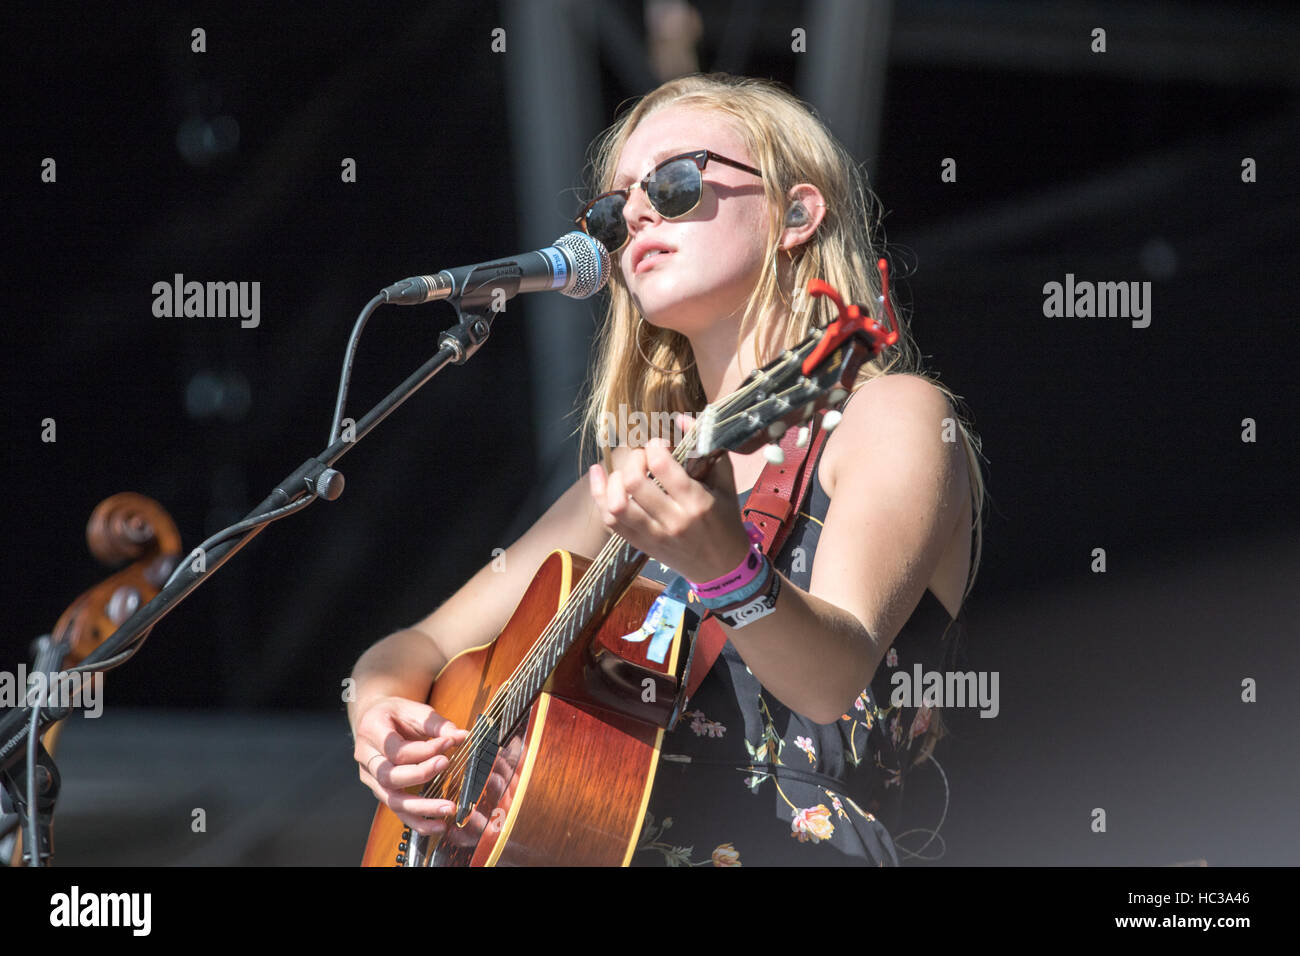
(605, 222)
(674, 189)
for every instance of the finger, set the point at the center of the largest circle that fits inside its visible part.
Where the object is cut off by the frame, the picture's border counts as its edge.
(432, 825)
(447, 730)
(432, 807)
(427, 722)
(397, 749)
(633, 472)
(416, 720)
(643, 489)
(682, 423)
(721, 478)
(679, 486)
(401, 776)
(382, 772)
(626, 514)
(413, 809)
(423, 825)
(369, 760)
(401, 749)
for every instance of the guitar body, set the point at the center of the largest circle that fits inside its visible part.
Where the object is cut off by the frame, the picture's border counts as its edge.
(570, 783)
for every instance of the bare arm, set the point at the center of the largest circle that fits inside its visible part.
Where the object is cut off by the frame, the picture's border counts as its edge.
(404, 664)
(899, 490)
(399, 740)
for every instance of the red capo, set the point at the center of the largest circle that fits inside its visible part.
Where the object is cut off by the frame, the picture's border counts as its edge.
(853, 320)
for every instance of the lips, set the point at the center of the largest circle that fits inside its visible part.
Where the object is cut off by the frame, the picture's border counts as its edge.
(646, 252)
(648, 260)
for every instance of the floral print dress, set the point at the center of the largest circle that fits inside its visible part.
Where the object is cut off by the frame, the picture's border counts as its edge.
(744, 781)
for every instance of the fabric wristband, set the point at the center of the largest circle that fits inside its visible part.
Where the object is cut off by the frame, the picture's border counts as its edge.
(742, 594)
(734, 580)
(759, 606)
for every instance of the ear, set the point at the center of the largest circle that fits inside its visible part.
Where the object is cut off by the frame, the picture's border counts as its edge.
(804, 212)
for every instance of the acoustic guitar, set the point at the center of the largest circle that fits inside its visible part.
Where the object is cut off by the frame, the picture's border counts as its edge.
(567, 707)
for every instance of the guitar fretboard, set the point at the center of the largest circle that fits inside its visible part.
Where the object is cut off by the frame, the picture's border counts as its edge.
(610, 575)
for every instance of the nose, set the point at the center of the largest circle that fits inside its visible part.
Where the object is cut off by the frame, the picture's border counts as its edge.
(637, 211)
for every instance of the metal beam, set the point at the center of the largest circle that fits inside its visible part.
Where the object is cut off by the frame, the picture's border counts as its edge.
(842, 73)
(1153, 41)
(553, 105)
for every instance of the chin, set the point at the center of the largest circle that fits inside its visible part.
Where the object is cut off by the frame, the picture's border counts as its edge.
(685, 310)
(683, 316)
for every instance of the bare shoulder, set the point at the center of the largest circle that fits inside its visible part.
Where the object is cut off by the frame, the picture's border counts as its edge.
(892, 418)
(895, 472)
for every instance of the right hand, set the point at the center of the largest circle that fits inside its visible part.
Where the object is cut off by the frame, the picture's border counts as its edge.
(401, 743)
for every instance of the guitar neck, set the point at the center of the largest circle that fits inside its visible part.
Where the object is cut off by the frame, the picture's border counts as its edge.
(606, 581)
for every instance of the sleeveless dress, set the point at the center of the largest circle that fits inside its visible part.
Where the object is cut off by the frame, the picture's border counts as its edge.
(744, 781)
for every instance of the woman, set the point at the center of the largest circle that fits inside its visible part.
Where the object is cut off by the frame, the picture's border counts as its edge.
(719, 198)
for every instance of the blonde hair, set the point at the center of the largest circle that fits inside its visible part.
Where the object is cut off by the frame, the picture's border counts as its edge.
(790, 145)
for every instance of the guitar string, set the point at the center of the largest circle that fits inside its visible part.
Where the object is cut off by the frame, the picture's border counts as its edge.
(544, 645)
(547, 642)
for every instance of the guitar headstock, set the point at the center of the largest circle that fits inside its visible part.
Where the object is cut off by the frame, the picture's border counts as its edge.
(792, 388)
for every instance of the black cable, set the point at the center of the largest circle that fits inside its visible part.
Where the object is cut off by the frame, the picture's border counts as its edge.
(348, 355)
(247, 525)
(242, 527)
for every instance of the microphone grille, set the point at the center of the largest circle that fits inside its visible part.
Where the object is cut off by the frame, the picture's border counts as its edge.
(590, 261)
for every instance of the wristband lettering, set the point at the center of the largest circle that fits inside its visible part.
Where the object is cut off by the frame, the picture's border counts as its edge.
(740, 576)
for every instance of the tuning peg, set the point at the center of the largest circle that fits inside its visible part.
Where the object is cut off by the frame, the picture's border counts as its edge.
(831, 419)
(774, 454)
(802, 440)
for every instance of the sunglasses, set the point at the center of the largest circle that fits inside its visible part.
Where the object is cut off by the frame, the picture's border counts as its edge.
(674, 188)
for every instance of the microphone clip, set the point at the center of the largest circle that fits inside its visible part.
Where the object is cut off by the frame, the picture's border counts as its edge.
(468, 335)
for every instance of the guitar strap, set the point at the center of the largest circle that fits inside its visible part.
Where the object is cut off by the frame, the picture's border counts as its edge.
(772, 506)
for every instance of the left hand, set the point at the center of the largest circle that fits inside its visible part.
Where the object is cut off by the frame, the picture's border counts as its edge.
(692, 526)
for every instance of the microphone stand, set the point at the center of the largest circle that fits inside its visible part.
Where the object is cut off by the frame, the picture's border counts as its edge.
(316, 477)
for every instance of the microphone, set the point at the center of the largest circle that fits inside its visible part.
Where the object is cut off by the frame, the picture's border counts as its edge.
(576, 265)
